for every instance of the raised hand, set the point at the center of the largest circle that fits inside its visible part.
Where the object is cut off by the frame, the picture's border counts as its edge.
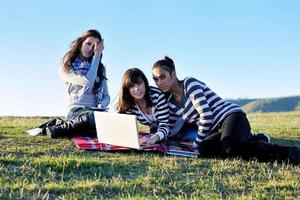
(98, 47)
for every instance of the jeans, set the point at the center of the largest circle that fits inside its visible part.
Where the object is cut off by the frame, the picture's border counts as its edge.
(84, 119)
(234, 129)
(77, 111)
(187, 133)
(230, 139)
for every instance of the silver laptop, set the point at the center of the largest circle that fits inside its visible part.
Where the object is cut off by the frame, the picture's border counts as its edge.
(117, 129)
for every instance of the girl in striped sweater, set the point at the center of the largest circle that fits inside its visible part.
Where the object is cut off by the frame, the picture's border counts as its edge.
(221, 128)
(147, 103)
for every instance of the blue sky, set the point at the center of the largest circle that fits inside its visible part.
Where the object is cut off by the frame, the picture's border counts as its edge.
(240, 49)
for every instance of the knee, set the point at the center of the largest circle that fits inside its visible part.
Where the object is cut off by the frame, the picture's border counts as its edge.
(90, 119)
(227, 146)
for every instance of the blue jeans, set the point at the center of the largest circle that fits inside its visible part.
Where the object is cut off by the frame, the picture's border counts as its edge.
(188, 132)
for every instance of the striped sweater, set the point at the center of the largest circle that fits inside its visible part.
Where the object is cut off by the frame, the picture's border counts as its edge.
(160, 113)
(203, 107)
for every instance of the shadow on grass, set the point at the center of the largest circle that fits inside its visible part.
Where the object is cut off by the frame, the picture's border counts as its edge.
(82, 166)
(85, 178)
(286, 142)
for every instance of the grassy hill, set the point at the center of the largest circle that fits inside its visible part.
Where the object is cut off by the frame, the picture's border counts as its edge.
(41, 168)
(284, 104)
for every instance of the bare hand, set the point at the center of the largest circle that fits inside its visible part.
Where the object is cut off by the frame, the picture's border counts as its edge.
(150, 140)
(99, 47)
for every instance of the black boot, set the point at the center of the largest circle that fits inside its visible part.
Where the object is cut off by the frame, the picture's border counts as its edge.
(259, 137)
(266, 152)
(210, 149)
(294, 157)
(70, 128)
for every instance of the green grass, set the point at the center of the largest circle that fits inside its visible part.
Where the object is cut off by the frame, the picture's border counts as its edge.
(41, 168)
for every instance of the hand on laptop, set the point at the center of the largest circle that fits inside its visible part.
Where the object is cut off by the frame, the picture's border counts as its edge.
(149, 140)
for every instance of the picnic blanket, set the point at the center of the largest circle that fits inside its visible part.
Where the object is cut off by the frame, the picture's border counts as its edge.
(169, 147)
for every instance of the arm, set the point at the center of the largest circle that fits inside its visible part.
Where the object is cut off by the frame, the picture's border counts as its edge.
(163, 114)
(195, 92)
(89, 78)
(83, 80)
(105, 98)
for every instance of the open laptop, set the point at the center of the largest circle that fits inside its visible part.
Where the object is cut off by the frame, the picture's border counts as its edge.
(117, 129)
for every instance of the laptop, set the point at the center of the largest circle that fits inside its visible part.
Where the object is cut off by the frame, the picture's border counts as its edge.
(117, 129)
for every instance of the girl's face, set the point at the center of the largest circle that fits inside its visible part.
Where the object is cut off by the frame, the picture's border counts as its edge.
(87, 47)
(163, 79)
(137, 91)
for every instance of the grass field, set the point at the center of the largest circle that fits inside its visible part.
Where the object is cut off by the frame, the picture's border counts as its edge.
(41, 168)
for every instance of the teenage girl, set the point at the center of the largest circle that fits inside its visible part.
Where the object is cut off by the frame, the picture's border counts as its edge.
(85, 78)
(146, 102)
(220, 128)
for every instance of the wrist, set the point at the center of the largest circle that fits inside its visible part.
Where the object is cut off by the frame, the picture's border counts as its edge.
(160, 135)
(155, 137)
(97, 54)
(195, 145)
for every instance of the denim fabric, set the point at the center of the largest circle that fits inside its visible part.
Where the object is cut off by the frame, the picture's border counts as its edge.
(187, 132)
(77, 111)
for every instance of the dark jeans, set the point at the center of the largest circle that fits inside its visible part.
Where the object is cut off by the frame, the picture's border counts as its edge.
(77, 111)
(230, 139)
(235, 128)
(83, 117)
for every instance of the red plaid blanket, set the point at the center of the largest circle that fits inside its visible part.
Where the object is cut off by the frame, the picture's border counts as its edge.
(169, 148)
(90, 143)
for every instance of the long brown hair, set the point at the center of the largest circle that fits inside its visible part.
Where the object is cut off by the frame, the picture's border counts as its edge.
(126, 101)
(74, 51)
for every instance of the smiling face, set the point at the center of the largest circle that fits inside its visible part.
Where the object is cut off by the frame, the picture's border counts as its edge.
(87, 47)
(163, 79)
(138, 90)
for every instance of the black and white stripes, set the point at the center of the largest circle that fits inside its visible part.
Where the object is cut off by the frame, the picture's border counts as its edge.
(202, 107)
(160, 113)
